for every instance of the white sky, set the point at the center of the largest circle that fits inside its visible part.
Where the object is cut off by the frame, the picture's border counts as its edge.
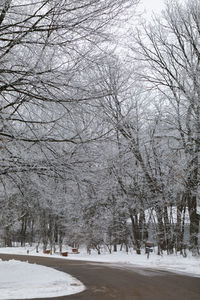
(152, 5)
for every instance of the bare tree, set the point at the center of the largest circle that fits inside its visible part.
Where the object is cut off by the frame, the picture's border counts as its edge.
(169, 51)
(46, 48)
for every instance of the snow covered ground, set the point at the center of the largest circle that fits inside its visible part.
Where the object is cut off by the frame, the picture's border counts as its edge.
(174, 263)
(21, 280)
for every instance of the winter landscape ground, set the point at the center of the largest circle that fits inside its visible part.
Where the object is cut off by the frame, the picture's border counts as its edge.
(63, 284)
(21, 280)
(174, 263)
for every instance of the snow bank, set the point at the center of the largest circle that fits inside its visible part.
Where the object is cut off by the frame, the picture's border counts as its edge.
(21, 280)
(174, 263)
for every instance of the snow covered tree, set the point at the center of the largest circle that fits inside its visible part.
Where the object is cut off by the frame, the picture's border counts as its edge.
(46, 47)
(169, 52)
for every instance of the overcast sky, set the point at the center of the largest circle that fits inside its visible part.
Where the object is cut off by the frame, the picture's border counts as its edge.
(152, 5)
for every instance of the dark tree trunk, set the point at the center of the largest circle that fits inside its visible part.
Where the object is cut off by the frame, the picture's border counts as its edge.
(194, 223)
(23, 231)
(192, 190)
(161, 233)
(31, 233)
(136, 233)
(7, 237)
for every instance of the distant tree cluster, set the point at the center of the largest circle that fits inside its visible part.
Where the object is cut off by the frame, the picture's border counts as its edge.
(99, 146)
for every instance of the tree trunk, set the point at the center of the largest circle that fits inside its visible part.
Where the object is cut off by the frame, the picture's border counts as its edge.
(160, 234)
(7, 237)
(194, 224)
(136, 233)
(23, 231)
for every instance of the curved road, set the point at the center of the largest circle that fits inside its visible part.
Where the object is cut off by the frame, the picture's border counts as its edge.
(120, 282)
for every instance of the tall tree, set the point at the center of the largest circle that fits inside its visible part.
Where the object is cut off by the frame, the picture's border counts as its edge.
(46, 47)
(169, 50)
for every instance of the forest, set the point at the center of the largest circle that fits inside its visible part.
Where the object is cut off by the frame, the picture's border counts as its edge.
(99, 125)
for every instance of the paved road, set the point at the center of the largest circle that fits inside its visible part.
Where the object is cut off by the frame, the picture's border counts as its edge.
(120, 282)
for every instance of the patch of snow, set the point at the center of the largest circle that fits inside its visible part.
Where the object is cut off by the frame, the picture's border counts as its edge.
(21, 280)
(174, 263)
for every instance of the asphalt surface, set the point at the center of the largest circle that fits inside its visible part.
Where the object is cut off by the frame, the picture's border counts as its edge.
(120, 282)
